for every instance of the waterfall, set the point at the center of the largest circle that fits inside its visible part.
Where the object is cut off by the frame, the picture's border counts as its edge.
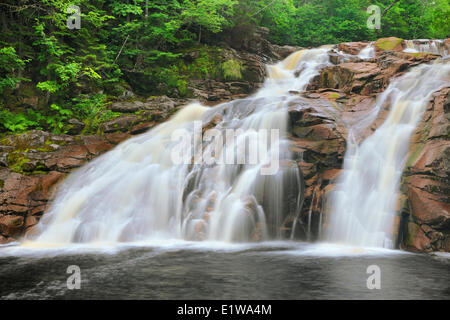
(436, 46)
(367, 52)
(137, 192)
(363, 205)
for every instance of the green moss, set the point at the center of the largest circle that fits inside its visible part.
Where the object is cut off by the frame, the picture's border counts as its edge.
(39, 172)
(45, 148)
(418, 149)
(232, 69)
(144, 115)
(5, 141)
(182, 87)
(2, 183)
(205, 64)
(48, 142)
(412, 231)
(388, 43)
(414, 155)
(16, 161)
(335, 95)
(417, 54)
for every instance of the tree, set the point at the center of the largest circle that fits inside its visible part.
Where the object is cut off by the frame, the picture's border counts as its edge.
(210, 15)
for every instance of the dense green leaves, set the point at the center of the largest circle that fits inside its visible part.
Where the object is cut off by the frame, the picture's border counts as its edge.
(75, 72)
(10, 67)
(315, 22)
(212, 15)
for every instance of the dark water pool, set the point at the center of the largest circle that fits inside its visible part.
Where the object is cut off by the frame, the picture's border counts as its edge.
(279, 270)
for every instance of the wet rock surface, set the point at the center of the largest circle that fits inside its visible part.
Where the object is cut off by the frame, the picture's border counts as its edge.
(426, 213)
(32, 164)
(342, 96)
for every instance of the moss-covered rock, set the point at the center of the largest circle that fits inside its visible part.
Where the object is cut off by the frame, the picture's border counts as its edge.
(232, 69)
(389, 44)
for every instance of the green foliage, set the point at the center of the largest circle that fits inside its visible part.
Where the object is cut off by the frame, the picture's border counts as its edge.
(212, 15)
(232, 69)
(316, 22)
(182, 87)
(143, 42)
(16, 122)
(10, 66)
(93, 110)
(55, 120)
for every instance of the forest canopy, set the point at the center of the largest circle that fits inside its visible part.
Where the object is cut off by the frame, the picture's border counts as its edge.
(77, 69)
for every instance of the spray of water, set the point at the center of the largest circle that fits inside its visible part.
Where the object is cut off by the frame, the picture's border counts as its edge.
(435, 46)
(368, 52)
(137, 193)
(363, 204)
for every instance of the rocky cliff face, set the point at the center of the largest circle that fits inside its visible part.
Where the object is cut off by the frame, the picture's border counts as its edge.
(32, 164)
(341, 96)
(426, 206)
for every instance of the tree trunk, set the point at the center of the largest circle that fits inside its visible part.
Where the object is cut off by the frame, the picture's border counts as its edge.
(389, 7)
(146, 9)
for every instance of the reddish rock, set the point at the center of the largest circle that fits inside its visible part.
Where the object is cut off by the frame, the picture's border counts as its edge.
(96, 145)
(44, 188)
(350, 77)
(417, 241)
(352, 47)
(336, 100)
(427, 204)
(370, 77)
(31, 221)
(331, 174)
(11, 225)
(426, 181)
(434, 159)
(4, 240)
(142, 127)
(117, 137)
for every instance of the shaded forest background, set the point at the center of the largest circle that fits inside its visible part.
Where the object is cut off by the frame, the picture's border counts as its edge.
(77, 72)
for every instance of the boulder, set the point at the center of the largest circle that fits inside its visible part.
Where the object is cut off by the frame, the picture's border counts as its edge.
(426, 181)
(127, 107)
(122, 123)
(11, 225)
(389, 44)
(351, 77)
(75, 126)
(352, 47)
(366, 77)
(318, 147)
(160, 103)
(342, 96)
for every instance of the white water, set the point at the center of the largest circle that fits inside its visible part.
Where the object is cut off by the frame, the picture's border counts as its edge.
(363, 205)
(427, 46)
(136, 193)
(368, 52)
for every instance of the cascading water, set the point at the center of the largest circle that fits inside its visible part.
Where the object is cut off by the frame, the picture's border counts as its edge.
(363, 203)
(368, 52)
(427, 46)
(136, 192)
